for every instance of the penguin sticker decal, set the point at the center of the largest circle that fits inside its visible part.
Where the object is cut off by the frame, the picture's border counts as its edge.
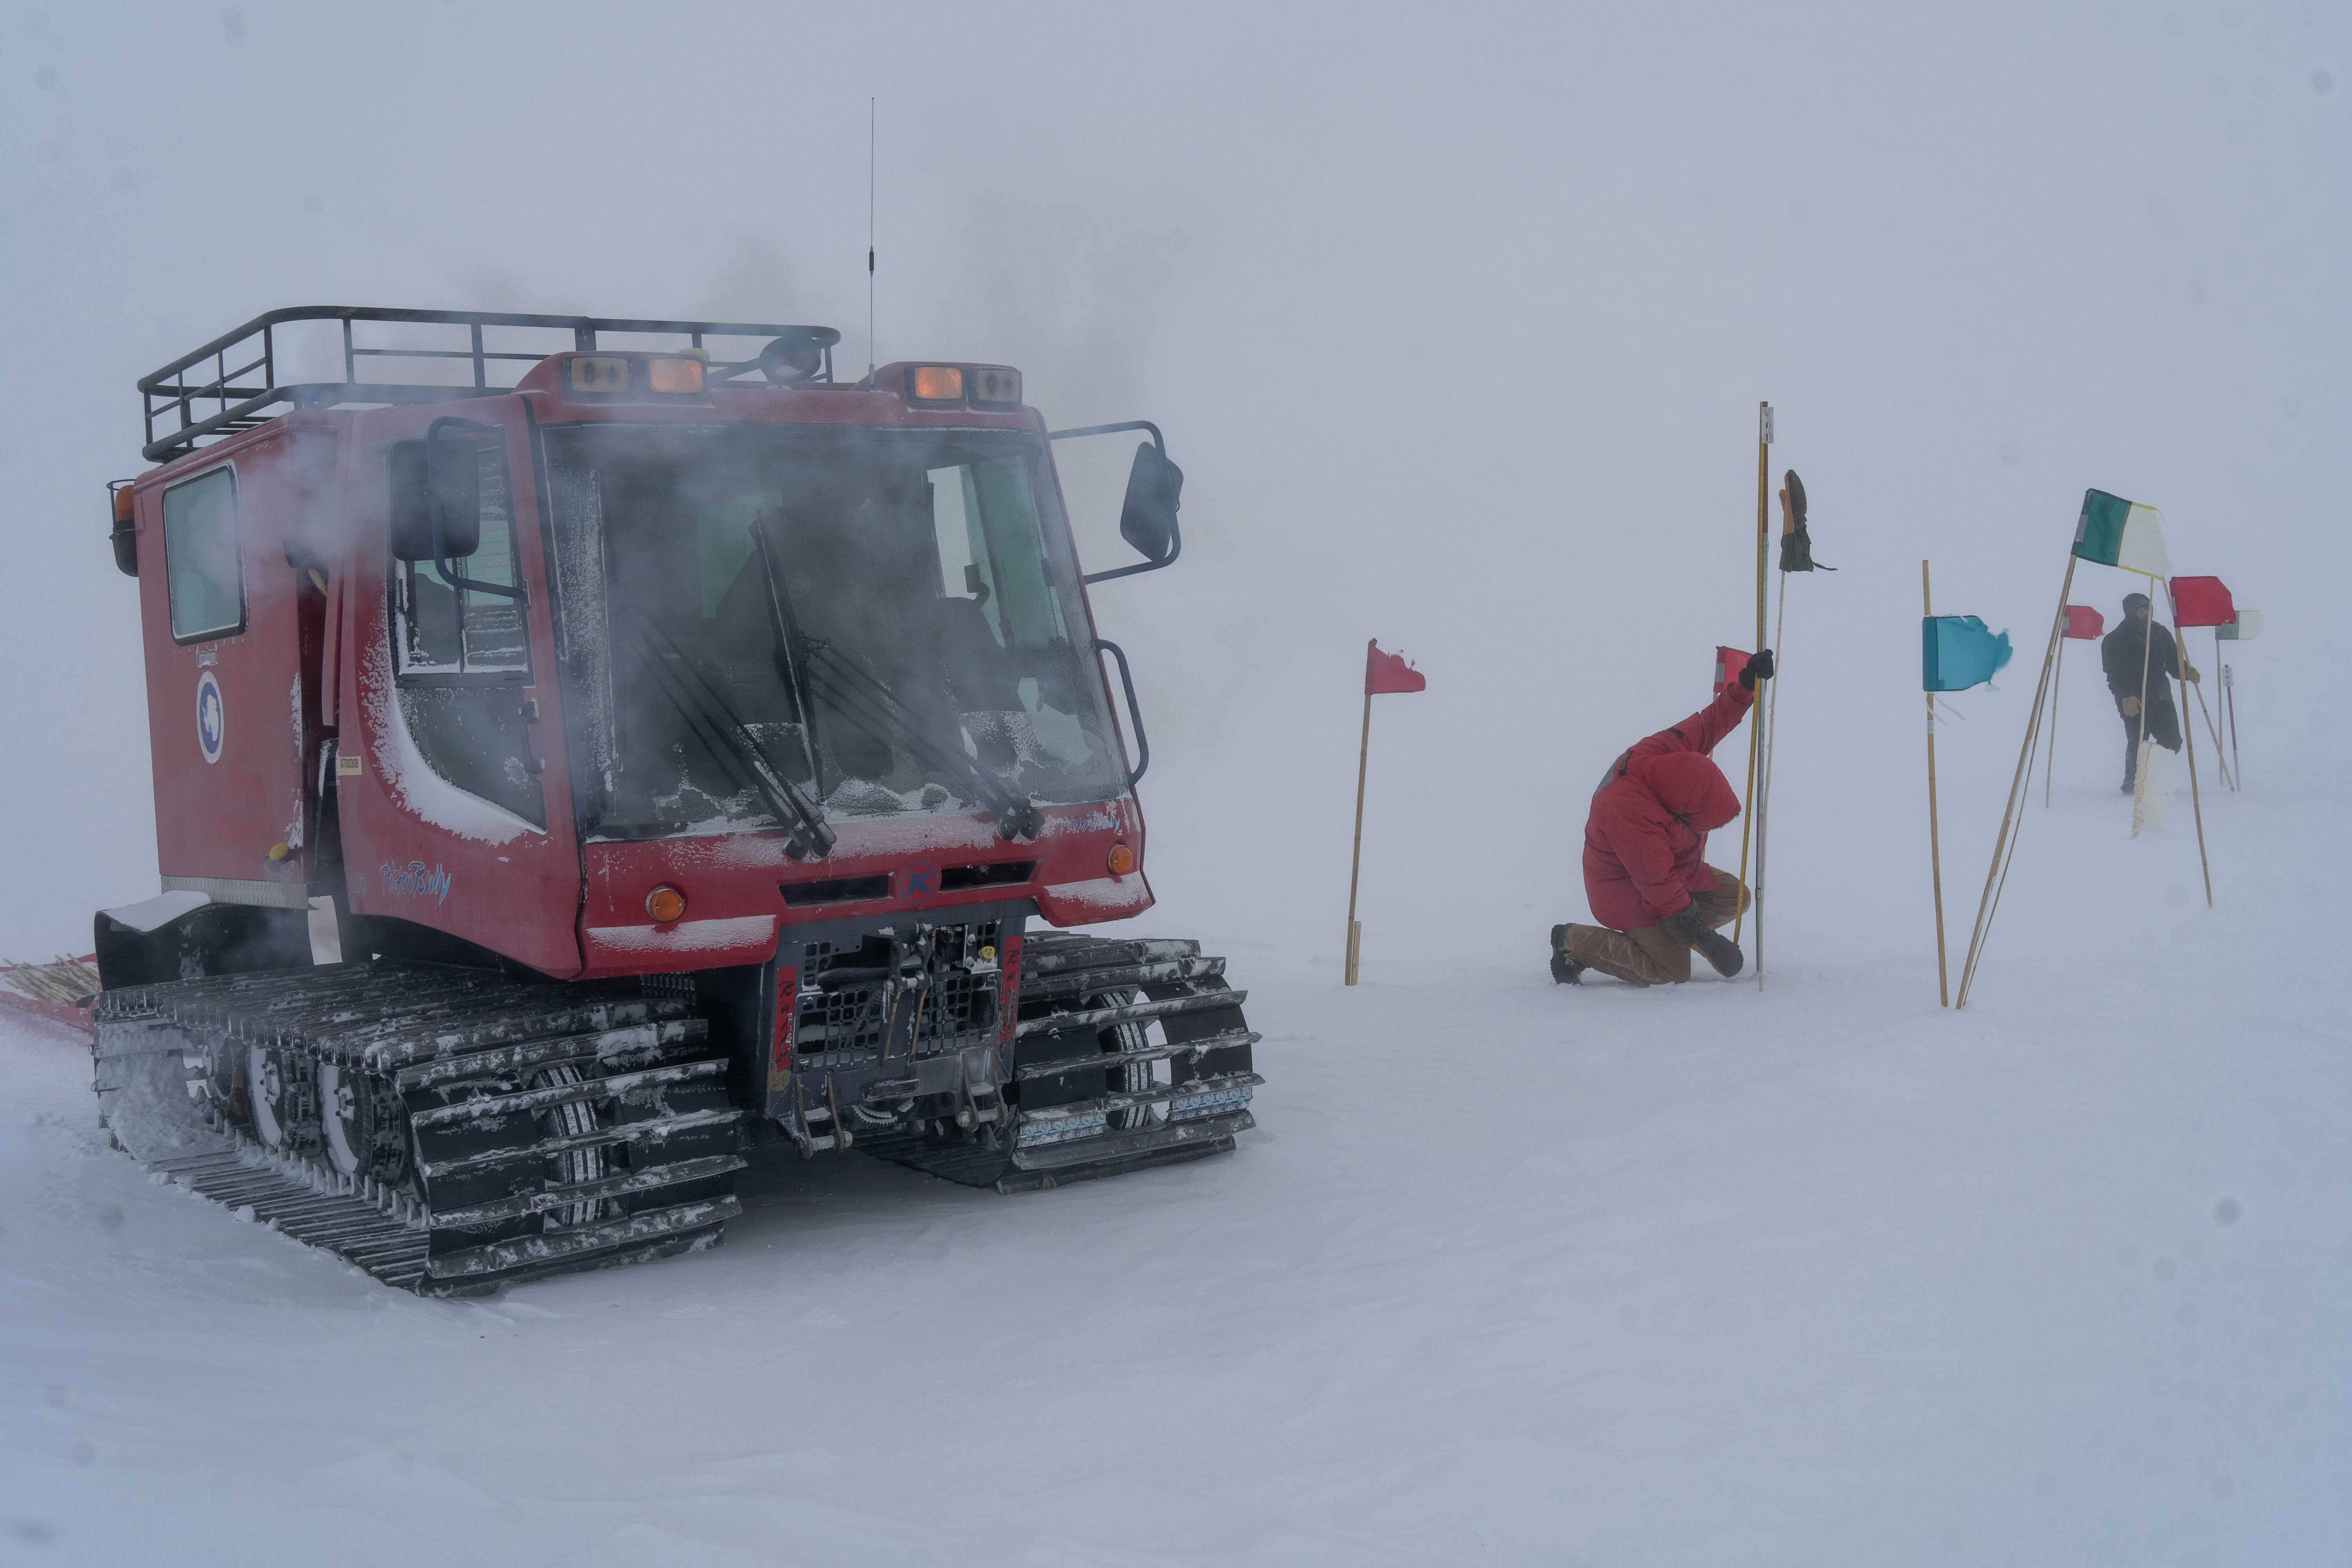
(210, 717)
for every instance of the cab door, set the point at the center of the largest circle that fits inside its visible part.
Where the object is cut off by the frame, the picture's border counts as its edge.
(453, 789)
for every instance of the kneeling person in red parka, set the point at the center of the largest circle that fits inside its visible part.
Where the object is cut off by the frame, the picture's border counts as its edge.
(1646, 871)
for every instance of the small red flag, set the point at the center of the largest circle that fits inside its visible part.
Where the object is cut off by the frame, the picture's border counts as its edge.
(1728, 663)
(2201, 602)
(1388, 672)
(2082, 621)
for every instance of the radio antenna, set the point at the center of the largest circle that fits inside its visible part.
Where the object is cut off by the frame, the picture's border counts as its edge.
(869, 245)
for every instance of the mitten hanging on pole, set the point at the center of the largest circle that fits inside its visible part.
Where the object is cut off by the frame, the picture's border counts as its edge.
(1796, 544)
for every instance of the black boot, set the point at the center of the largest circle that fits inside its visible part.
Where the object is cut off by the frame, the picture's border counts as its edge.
(1565, 971)
(1719, 951)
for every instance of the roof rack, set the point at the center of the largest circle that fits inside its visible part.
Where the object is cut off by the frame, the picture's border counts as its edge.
(246, 395)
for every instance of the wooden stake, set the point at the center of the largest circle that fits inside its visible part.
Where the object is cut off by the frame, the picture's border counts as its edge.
(1356, 860)
(2188, 737)
(1934, 843)
(2221, 760)
(2144, 751)
(2229, 701)
(2049, 764)
(2017, 780)
(1763, 520)
(1772, 744)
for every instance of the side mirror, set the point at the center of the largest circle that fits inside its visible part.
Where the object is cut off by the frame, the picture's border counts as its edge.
(429, 476)
(1155, 489)
(454, 476)
(423, 480)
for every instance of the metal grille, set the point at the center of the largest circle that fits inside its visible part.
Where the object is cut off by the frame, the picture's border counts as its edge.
(838, 1028)
(841, 1029)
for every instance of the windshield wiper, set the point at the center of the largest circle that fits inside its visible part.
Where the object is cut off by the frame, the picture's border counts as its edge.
(788, 669)
(723, 734)
(864, 699)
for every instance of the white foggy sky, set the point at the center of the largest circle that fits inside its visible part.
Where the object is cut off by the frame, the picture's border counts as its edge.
(1457, 322)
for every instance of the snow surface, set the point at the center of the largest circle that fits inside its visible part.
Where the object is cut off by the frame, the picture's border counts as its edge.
(1509, 1273)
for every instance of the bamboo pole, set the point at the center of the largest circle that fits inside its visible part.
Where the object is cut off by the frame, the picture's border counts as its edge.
(1771, 746)
(2220, 763)
(2229, 701)
(2220, 760)
(2188, 737)
(1763, 520)
(2017, 780)
(1934, 843)
(2057, 678)
(1356, 860)
(2144, 749)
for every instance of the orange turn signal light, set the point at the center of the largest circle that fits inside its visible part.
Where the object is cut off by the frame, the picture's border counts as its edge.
(680, 372)
(665, 904)
(1121, 860)
(935, 383)
(600, 372)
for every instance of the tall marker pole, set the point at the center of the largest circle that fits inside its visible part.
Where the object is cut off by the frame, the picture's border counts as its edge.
(1934, 842)
(2009, 813)
(2230, 703)
(2049, 764)
(2221, 757)
(2189, 734)
(1763, 491)
(1772, 744)
(1356, 861)
(2146, 747)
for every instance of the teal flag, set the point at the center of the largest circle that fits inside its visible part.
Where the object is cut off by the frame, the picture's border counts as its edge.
(1958, 652)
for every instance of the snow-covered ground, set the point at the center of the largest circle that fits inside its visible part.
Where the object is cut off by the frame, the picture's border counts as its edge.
(1509, 1273)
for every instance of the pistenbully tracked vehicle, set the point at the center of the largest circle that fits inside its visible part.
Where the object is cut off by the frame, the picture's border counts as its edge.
(562, 789)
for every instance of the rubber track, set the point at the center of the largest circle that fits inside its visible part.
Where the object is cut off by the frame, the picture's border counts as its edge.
(393, 1251)
(1056, 969)
(480, 1032)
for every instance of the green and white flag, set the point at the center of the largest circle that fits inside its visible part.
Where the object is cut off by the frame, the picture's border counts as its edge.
(2114, 532)
(2249, 623)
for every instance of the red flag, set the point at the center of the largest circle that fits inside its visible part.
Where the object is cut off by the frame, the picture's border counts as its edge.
(1388, 672)
(1728, 663)
(2082, 621)
(2201, 602)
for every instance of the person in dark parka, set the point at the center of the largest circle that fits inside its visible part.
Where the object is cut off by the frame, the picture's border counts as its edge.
(1645, 870)
(2139, 650)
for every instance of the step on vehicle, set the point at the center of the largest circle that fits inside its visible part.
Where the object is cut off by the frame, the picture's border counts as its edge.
(563, 787)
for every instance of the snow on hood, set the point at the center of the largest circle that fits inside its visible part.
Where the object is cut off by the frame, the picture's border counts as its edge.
(1690, 785)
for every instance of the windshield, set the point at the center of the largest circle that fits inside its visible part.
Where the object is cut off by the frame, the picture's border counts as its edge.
(870, 610)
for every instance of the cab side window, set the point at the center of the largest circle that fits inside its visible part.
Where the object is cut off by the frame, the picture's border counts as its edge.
(203, 570)
(441, 631)
(461, 655)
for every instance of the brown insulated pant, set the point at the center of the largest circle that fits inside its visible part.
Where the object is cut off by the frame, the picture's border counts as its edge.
(1652, 957)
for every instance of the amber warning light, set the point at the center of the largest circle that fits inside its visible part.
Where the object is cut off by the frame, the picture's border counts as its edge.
(935, 383)
(681, 373)
(665, 904)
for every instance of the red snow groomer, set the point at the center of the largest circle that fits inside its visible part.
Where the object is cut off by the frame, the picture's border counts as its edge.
(563, 787)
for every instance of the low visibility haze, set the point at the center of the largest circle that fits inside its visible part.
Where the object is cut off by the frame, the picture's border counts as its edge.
(1457, 326)
(1457, 322)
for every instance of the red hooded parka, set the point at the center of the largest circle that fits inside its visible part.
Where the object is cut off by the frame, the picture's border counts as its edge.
(1645, 841)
